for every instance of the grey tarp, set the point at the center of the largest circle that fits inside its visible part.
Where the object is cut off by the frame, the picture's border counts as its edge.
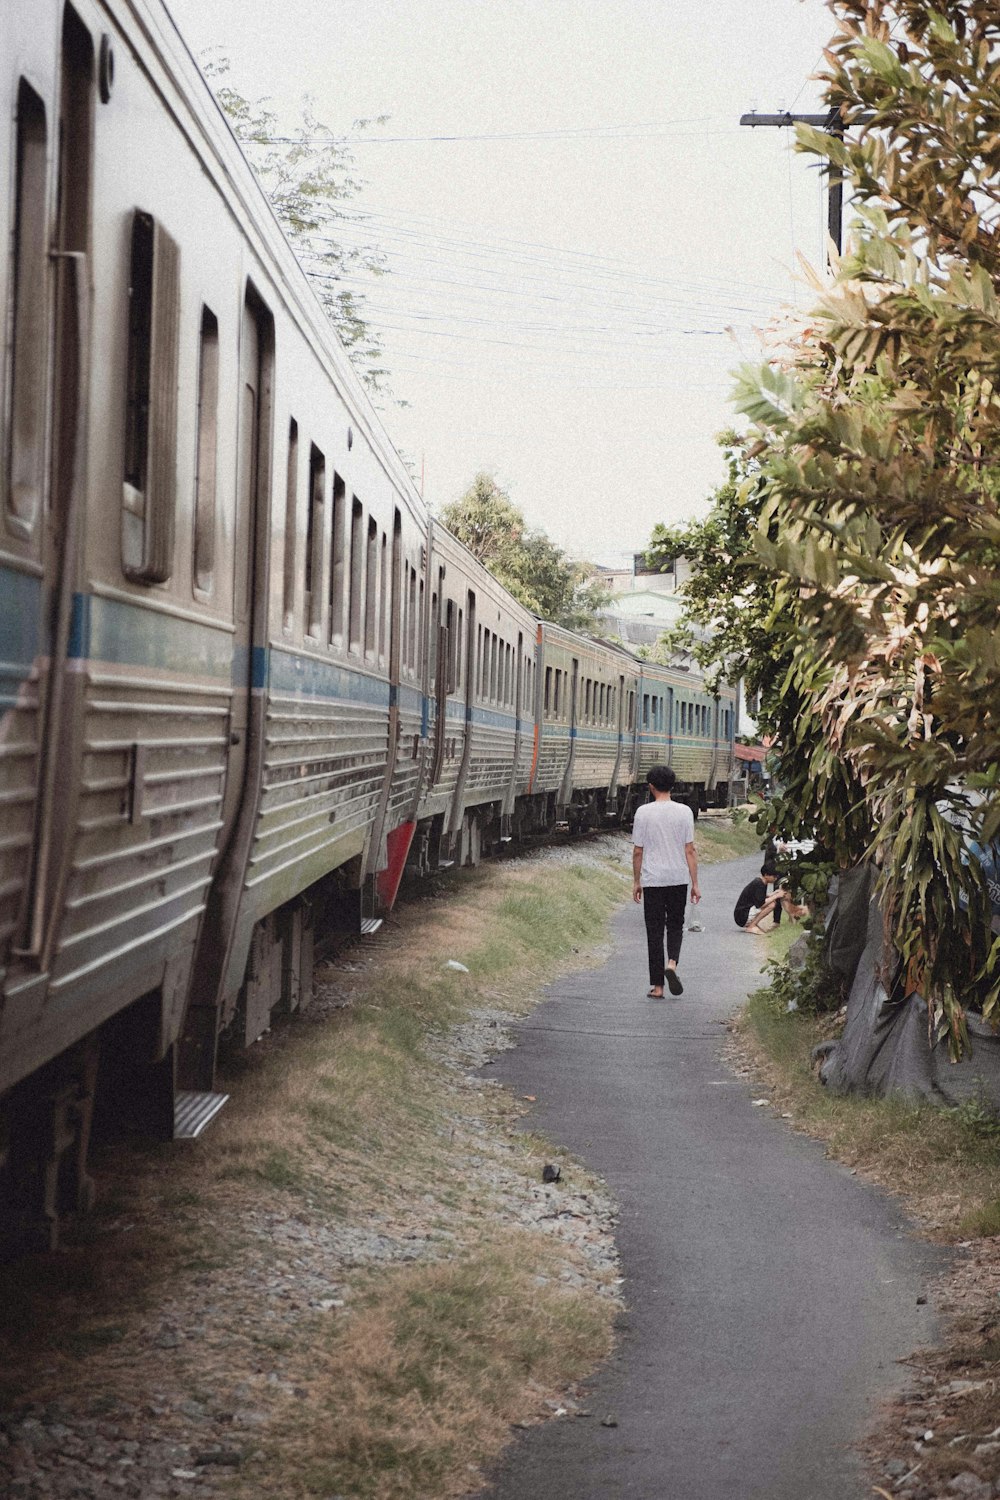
(884, 1048)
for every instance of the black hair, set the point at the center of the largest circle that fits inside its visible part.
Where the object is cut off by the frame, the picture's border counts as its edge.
(663, 778)
(769, 868)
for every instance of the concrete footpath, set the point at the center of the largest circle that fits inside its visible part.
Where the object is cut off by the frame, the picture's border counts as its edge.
(769, 1293)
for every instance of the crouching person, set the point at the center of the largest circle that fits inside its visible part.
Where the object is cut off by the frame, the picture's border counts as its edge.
(758, 911)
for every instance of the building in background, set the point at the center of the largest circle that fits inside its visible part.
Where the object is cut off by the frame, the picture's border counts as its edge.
(645, 603)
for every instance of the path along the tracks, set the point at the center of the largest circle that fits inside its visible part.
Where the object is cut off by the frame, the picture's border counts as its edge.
(769, 1292)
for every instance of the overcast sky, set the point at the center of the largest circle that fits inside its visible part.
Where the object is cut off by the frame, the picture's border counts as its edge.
(580, 237)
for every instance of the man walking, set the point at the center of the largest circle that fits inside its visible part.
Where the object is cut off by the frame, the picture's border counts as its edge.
(663, 861)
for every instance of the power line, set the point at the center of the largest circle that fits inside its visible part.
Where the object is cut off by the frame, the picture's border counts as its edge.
(636, 130)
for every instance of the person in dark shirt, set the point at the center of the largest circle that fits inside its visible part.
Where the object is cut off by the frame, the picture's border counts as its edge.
(754, 904)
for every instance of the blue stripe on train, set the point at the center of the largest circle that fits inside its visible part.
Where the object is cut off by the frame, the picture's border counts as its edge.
(128, 634)
(20, 630)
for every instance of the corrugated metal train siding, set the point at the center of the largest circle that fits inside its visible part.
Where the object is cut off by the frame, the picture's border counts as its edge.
(324, 767)
(148, 817)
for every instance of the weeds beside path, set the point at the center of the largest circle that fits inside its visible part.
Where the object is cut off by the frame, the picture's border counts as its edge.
(940, 1439)
(357, 1281)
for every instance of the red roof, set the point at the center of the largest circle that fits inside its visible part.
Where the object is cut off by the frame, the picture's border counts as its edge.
(751, 752)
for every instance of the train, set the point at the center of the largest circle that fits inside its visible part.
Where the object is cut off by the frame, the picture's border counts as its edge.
(246, 677)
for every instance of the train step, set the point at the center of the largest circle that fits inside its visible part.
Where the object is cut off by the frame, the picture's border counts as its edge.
(193, 1111)
(370, 925)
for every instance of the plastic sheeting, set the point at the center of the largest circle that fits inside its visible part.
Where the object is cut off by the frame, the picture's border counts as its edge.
(884, 1048)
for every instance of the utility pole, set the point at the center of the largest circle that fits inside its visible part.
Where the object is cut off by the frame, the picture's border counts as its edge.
(832, 121)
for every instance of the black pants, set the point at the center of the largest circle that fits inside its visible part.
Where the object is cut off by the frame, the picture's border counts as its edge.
(663, 906)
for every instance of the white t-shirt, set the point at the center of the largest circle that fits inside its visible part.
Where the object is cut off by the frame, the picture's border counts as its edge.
(661, 830)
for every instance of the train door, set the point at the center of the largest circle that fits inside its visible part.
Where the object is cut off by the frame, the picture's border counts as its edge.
(23, 645)
(394, 845)
(713, 773)
(509, 799)
(620, 747)
(63, 513)
(441, 666)
(217, 974)
(247, 479)
(455, 815)
(566, 791)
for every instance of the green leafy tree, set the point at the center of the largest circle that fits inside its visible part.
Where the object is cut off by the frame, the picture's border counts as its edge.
(879, 522)
(535, 570)
(751, 629)
(309, 174)
(729, 593)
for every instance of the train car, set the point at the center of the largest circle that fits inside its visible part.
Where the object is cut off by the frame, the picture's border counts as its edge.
(480, 718)
(680, 722)
(499, 717)
(586, 726)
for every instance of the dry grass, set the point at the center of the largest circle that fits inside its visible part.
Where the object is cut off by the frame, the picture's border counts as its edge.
(945, 1164)
(342, 1122)
(425, 1379)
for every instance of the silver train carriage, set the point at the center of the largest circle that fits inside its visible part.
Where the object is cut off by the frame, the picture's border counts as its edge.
(244, 677)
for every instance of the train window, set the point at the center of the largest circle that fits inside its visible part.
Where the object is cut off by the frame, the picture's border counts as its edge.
(291, 522)
(149, 480)
(371, 586)
(205, 471)
(414, 620)
(548, 689)
(357, 581)
(27, 317)
(631, 709)
(421, 633)
(494, 669)
(386, 598)
(645, 710)
(338, 552)
(315, 528)
(449, 625)
(459, 654)
(586, 699)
